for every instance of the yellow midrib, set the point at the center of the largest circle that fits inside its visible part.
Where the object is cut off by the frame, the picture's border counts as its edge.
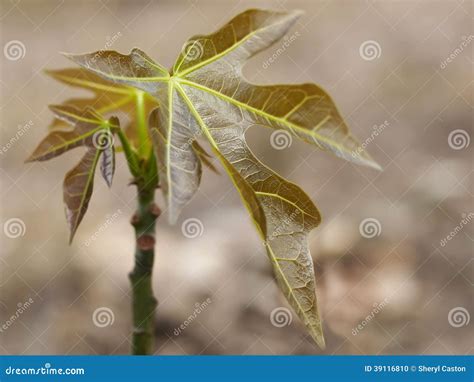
(72, 141)
(212, 59)
(90, 176)
(92, 85)
(259, 229)
(263, 114)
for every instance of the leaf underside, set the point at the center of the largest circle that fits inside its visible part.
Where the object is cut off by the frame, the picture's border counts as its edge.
(91, 131)
(77, 188)
(205, 96)
(106, 97)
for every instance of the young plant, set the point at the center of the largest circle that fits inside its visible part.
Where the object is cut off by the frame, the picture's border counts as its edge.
(203, 97)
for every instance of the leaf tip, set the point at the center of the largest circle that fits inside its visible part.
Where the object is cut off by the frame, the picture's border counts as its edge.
(297, 12)
(373, 164)
(69, 56)
(315, 329)
(319, 339)
(73, 57)
(59, 109)
(72, 232)
(48, 72)
(363, 158)
(377, 166)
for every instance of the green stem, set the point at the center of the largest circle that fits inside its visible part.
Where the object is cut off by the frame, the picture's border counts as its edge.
(144, 303)
(143, 139)
(130, 154)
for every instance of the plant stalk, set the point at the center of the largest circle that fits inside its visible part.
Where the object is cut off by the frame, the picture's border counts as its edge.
(144, 303)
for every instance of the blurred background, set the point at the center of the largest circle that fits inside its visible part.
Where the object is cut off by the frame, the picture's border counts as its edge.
(393, 255)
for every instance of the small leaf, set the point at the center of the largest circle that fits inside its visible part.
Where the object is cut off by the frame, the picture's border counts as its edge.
(107, 97)
(86, 124)
(92, 131)
(107, 164)
(77, 187)
(204, 157)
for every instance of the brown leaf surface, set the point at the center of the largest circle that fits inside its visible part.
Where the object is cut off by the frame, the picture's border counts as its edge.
(78, 185)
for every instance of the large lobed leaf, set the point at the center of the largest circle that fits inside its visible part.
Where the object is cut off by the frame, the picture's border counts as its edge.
(206, 95)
